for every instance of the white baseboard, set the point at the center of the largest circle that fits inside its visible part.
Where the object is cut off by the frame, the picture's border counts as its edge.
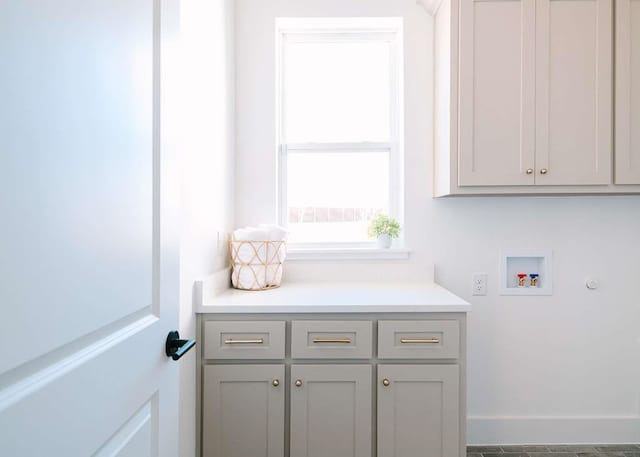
(552, 430)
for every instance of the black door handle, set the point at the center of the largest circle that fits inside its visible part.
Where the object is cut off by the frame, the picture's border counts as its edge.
(175, 347)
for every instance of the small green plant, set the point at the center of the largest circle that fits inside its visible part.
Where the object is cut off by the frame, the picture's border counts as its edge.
(383, 225)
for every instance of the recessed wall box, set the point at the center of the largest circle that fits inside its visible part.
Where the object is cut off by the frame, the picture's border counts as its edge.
(526, 272)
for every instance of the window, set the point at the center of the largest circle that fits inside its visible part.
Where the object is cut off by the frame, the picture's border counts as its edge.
(339, 124)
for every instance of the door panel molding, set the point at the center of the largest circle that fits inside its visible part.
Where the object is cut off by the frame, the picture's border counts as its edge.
(36, 374)
(133, 439)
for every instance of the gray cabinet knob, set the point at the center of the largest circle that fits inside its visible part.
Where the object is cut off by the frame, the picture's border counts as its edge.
(543, 171)
(298, 382)
(386, 382)
(529, 171)
(275, 382)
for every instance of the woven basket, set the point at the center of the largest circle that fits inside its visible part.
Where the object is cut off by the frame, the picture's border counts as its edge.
(257, 265)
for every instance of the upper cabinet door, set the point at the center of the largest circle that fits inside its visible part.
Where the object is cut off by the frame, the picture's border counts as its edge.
(574, 92)
(627, 92)
(497, 92)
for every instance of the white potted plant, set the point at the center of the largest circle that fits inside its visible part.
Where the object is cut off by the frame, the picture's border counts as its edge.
(385, 229)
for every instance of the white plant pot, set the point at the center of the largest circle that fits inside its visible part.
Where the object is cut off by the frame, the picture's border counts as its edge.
(384, 241)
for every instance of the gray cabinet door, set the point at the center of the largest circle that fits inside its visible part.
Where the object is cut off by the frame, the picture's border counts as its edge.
(243, 411)
(574, 71)
(497, 93)
(627, 103)
(418, 411)
(331, 411)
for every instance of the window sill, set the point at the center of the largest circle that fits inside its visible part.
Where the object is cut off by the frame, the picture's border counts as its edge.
(294, 254)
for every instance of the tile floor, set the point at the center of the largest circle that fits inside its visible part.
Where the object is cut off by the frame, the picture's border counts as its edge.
(556, 450)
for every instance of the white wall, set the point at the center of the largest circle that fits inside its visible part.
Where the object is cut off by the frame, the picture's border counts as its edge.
(207, 171)
(573, 356)
(564, 368)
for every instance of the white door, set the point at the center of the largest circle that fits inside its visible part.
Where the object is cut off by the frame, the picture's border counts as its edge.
(88, 243)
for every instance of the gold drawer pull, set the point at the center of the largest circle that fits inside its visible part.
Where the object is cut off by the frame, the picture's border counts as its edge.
(257, 341)
(419, 340)
(332, 340)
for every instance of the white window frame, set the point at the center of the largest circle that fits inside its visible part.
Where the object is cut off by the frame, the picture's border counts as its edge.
(356, 30)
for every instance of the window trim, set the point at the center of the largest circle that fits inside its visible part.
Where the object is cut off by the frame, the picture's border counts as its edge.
(342, 253)
(389, 30)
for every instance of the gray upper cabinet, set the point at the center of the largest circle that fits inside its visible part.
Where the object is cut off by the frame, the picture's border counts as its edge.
(243, 411)
(331, 411)
(418, 411)
(627, 143)
(535, 92)
(524, 97)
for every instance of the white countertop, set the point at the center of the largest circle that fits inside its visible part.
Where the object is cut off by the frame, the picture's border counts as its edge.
(338, 297)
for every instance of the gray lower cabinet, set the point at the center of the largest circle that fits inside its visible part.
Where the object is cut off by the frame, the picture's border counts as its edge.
(331, 410)
(352, 385)
(418, 410)
(243, 411)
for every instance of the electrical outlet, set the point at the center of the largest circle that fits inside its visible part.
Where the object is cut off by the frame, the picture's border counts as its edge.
(479, 284)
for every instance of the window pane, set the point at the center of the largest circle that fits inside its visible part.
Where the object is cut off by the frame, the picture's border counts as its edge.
(333, 195)
(336, 92)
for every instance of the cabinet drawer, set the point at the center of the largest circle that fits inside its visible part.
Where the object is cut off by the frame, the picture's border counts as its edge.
(244, 340)
(418, 339)
(331, 339)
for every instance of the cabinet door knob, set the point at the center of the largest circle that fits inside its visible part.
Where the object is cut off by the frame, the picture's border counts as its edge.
(298, 382)
(529, 171)
(275, 382)
(386, 382)
(543, 171)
